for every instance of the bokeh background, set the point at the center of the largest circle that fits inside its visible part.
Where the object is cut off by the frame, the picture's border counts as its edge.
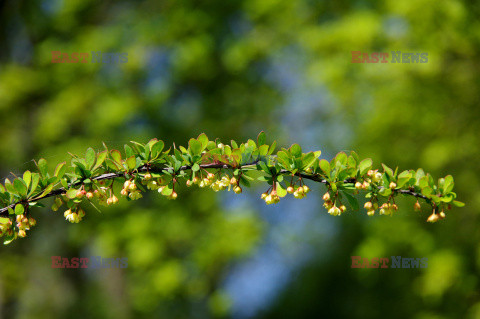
(231, 69)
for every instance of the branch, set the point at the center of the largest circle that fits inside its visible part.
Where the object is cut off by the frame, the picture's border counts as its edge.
(150, 165)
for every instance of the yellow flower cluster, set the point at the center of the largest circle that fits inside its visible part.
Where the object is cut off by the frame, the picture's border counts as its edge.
(216, 183)
(74, 216)
(130, 189)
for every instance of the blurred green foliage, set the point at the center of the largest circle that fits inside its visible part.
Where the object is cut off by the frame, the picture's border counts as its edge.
(201, 67)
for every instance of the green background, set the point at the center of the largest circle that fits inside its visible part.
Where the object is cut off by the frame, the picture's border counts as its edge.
(231, 69)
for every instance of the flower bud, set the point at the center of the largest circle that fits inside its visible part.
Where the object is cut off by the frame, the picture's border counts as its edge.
(290, 189)
(417, 206)
(368, 205)
(237, 189)
(306, 189)
(433, 218)
(148, 176)
(326, 197)
(32, 221)
(392, 185)
(358, 185)
(268, 199)
(89, 195)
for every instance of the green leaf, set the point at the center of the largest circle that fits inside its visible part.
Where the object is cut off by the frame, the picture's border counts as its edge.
(352, 201)
(156, 149)
(261, 138)
(128, 151)
(272, 147)
(131, 163)
(281, 192)
(340, 158)
(139, 148)
(47, 189)
(264, 167)
(364, 166)
(244, 180)
(42, 167)
(195, 147)
(403, 178)
(35, 181)
(264, 178)
(9, 186)
(283, 159)
(458, 203)
(203, 139)
(168, 190)
(27, 177)
(100, 159)
(90, 157)
(427, 191)
(325, 166)
(355, 156)
(388, 170)
(20, 187)
(19, 209)
(448, 184)
(60, 170)
(72, 193)
(116, 156)
(9, 239)
(351, 162)
(195, 167)
(420, 173)
(308, 160)
(296, 150)
(385, 191)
